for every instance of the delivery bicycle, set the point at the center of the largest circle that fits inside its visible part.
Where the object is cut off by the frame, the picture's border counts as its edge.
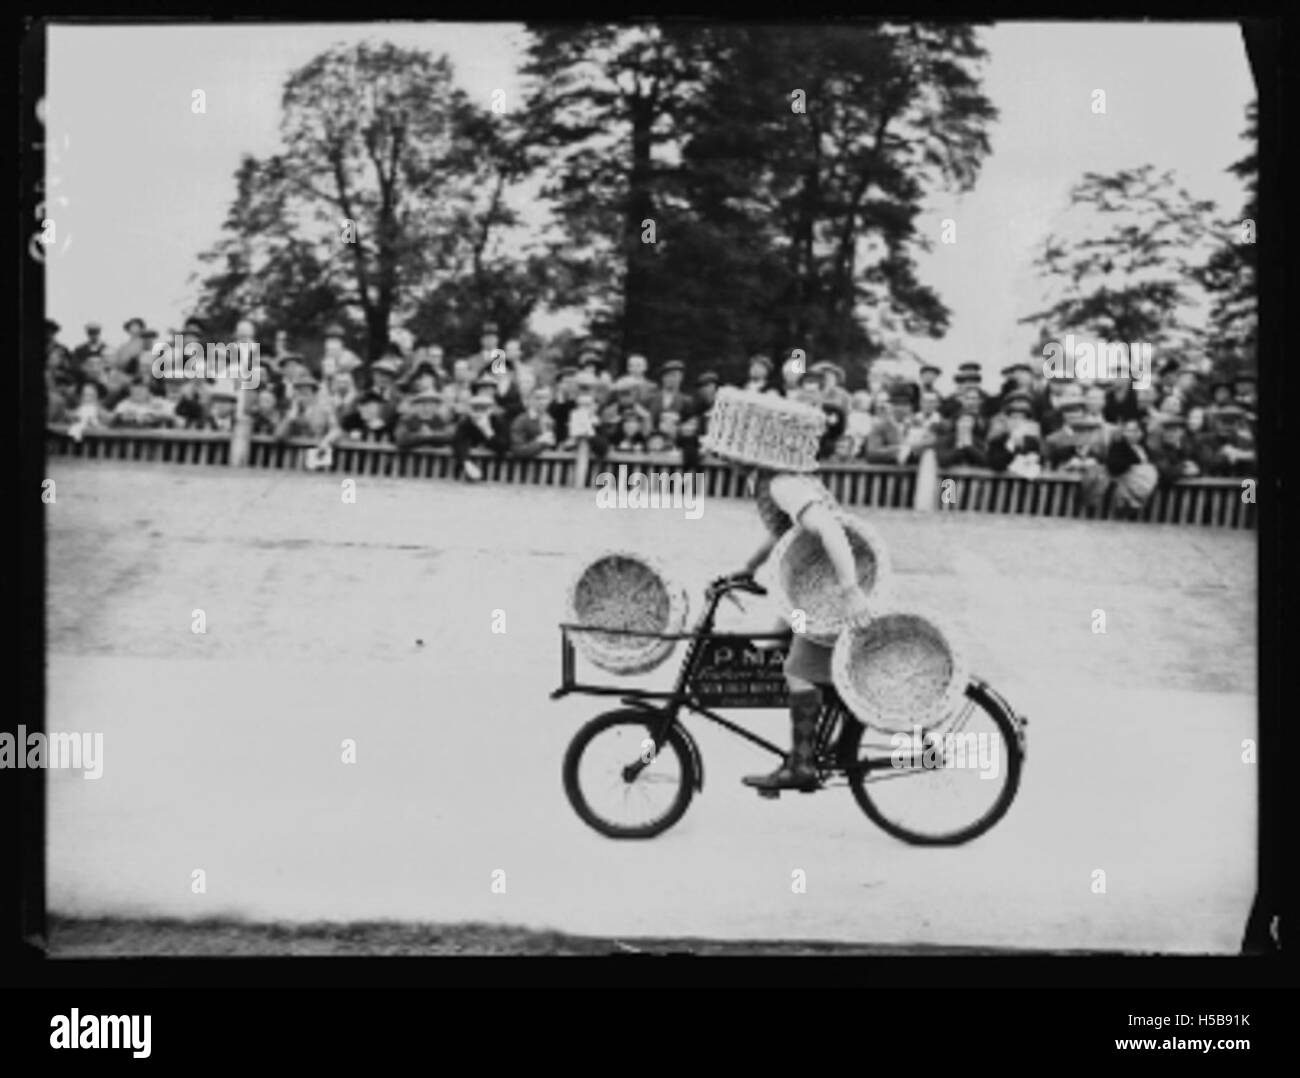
(631, 772)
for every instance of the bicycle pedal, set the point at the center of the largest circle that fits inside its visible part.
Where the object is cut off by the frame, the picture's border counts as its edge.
(771, 794)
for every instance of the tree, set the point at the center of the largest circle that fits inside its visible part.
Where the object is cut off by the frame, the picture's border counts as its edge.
(1229, 275)
(774, 227)
(600, 115)
(1128, 274)
(389, 175)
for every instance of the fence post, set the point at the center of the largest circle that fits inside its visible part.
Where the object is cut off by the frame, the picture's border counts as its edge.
(241, 434)
(581, 462)
(925, 497)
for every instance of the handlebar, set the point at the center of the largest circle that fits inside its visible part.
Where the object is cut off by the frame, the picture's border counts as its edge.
(725, 584)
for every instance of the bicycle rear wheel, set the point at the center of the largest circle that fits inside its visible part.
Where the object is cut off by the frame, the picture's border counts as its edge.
(616, 782)
(946, 784)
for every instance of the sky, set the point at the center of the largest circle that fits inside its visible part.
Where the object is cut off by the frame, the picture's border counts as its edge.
(148, 182)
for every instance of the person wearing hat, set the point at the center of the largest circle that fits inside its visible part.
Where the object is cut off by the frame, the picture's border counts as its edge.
(1133, 474)
(1229, 442)
(533, 430)
(1176, 457)
(969, 374)
(837, 425)
(1076, 437)
(265, 410)
(1015, 441)
(308, 417)
(531, 370)
(582, 420)
(1016, 376)
(638, 368)
(124, 357)
(459, 388)
(591, 361)
(221, 410)
(1000, 422)
(366, 419)
(58, 359)
(833, 392)
(888, 442)
(504, 387)
(429, 421)
(336, 355)
(809, 388)
(565, 400)
(246, 338)
(694, 419)
(962, 439)
(628, 397)
(1190, 386)
(284, 371)
(928, 425)
(927, 375)
(489, 349)
(140, 358)
(758, 378)
(701, 404)
(484, 427)
(383, 380)
(89, 413)
(93, 346)
(772, 447)
(669, 396)
(1121, 402)
(136, 409)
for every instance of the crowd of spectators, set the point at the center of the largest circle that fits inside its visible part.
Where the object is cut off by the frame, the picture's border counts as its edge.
(500, 399)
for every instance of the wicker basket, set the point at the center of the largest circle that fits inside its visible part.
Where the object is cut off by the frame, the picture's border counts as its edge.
(904, 668)
(622, 590)
(764, 430)
(804, 579)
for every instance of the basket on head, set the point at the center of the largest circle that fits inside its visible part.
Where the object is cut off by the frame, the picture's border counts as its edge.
(764, 430)
(621, 590)
(804, 578)
(902, 669)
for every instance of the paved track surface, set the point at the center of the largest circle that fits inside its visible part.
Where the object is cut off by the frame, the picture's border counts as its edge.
(222, 750)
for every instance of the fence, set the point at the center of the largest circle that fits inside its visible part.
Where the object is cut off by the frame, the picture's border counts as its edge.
(1210, 502)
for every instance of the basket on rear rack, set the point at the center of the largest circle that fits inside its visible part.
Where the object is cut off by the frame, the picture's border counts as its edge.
(642, 606)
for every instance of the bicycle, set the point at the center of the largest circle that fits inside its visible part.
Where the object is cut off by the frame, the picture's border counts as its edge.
(650, 747)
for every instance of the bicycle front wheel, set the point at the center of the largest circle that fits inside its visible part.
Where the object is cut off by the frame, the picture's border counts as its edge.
(619, 785)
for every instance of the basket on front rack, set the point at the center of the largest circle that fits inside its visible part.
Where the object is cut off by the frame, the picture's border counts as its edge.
(805, 580)
(903, 668)
(628, 592)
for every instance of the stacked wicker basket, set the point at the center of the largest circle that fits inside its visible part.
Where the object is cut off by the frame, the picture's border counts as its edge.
(903, 667)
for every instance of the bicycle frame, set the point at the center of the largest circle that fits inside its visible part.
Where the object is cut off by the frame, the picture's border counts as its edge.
(669, 705)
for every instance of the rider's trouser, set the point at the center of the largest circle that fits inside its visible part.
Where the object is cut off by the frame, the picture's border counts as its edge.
(806, 661)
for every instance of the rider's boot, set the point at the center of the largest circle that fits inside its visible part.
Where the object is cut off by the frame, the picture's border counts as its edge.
(798, 772)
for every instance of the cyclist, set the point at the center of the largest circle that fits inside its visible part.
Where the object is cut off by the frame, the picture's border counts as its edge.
(772, 442)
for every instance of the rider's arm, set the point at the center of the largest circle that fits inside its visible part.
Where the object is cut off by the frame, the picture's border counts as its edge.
(759, 557)
(818, 519)
(805, 502)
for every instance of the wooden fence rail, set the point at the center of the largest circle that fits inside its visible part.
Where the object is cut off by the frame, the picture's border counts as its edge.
(1212, 502)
